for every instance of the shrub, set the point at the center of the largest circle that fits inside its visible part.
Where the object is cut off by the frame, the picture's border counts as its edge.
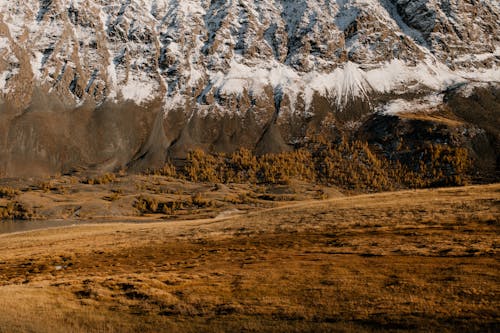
(350, 165)
(43, 186)
(434, 165)
(201, 167)
(112, 197)
(241, 166)
(8, 192)
(146, 205)
(169, 170)
(199, 201)
(101, 180)
(15, 211)
(281, 168)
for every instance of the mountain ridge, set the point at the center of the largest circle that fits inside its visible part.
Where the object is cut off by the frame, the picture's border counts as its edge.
(173, 50)
(215, 69)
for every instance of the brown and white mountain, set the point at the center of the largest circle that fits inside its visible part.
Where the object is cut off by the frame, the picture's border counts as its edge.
(111, 84)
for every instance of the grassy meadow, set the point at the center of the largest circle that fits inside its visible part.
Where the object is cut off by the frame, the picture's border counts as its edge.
(418, 260)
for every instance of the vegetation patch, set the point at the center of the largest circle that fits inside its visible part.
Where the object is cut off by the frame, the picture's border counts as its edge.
(15, 211)
(100, 180)
(347, 164)
(8, 192)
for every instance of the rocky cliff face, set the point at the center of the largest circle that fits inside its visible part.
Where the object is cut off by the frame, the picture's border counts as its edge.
(124, 82)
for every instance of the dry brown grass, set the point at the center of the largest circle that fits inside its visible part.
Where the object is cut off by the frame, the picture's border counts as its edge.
(443, 117)
(416, 260)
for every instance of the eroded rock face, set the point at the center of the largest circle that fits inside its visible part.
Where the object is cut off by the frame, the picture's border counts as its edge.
(469, 118)
(159, 77)
(452, 30)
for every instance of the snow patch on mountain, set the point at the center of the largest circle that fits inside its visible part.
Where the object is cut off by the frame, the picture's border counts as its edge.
(426, 103)
(480, 56)
(4, 77)
(4, 45)
(36, 65)
(343, 83)
(139, 91)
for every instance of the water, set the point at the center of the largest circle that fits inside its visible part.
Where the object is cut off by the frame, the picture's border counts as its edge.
(7, 227)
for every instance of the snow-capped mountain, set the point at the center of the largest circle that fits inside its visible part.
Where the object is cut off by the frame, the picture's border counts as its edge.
(261, 62)
(142, 50)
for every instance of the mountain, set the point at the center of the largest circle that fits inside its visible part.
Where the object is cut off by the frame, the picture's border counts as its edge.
(126, 83)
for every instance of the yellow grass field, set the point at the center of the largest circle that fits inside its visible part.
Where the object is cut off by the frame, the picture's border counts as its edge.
(425, 260)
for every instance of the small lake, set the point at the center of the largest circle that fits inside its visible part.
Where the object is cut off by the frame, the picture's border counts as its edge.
(8, 227)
